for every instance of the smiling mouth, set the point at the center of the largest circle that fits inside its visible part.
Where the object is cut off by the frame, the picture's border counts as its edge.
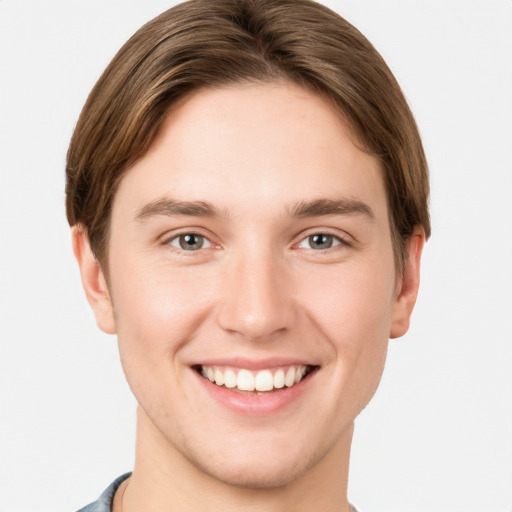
(255, 382)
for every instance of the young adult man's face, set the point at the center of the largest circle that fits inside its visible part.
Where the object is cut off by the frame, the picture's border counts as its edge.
(252, 240)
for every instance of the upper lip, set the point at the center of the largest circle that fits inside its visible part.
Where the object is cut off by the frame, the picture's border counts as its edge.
(255, 364)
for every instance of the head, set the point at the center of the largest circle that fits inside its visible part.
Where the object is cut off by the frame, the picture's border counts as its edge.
(252, 191)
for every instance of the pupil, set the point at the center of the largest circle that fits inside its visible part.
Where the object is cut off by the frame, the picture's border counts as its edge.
(320, 241)
(190, 242)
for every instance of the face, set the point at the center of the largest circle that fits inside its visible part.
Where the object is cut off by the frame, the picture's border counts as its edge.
(252, 283)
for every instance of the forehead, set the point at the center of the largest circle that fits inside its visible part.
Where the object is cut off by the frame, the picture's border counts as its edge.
(264, 145)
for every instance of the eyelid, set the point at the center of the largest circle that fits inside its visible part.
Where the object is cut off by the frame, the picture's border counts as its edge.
(177, 237)
(344, 239)
(336, 242)
(167, 238)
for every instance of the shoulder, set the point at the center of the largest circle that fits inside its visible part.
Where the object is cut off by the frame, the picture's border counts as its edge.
(104, 502)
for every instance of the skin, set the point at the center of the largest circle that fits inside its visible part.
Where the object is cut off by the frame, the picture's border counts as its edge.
(257, 289)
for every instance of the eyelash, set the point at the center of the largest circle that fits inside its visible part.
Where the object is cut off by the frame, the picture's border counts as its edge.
(177, 238)
(335, 240)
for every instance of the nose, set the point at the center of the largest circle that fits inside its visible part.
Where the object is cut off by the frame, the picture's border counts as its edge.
(257, 300)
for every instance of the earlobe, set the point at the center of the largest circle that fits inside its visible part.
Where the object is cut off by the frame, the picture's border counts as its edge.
(93, 281)
(408, 286)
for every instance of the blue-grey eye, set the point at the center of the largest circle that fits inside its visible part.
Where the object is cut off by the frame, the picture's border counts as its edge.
(319, 241)
(190, 242)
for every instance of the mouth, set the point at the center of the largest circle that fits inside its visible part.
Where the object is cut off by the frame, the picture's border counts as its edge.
(261, 382)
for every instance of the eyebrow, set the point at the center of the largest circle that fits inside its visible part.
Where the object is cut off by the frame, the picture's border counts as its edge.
(302, 209)
(341, 206)
(170, 207)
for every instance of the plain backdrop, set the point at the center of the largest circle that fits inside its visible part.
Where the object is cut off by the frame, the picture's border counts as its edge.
(438, 434)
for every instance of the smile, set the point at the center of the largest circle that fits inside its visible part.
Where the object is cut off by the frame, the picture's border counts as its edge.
(266, 380)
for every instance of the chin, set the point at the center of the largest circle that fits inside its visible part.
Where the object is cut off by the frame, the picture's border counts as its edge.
(263, 463)
(256, 474)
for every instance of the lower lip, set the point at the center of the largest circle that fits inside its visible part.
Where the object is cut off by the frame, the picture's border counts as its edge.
(256, 405)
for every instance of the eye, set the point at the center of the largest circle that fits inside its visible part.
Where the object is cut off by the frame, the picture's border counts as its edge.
(189, 242)
(320, 242)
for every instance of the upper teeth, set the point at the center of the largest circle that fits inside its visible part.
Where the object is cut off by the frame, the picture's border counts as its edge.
(246, 380)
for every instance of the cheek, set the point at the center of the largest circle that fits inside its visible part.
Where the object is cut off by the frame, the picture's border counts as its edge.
(353, 311)
(352, 305)
(157, 308)
(157, 311)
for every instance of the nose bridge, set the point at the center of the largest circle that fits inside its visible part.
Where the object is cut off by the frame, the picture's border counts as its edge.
(256, 299)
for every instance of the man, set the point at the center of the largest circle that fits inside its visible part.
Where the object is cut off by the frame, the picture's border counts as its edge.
(248, 195)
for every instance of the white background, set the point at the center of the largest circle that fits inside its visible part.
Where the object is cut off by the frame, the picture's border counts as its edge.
(438, 434)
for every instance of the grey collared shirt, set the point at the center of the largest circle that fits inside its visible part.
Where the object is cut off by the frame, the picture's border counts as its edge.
(104, 502)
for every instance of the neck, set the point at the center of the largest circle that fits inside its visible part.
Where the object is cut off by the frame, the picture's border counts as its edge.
(164, 480)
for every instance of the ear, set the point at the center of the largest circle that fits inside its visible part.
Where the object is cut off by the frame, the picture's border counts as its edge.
(93, 281)
(408, 285)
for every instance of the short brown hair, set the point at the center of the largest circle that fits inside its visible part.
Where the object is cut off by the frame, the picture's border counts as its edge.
(205, 43)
